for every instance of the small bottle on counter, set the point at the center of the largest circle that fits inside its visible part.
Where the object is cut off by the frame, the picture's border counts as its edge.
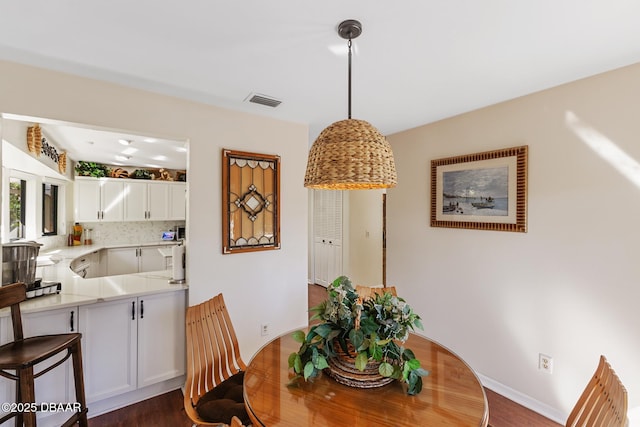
(77, 234)
(87, 236)
(70, 239)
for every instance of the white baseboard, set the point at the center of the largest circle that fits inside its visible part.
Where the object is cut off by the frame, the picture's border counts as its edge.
(524, 400)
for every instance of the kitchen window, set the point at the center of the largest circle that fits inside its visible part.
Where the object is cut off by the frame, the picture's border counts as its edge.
(17, 208)
(49, 209)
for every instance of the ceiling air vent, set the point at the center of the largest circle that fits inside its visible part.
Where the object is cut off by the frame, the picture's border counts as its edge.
(263, 100)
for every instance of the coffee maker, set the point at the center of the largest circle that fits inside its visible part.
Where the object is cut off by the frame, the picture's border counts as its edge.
(19, 262)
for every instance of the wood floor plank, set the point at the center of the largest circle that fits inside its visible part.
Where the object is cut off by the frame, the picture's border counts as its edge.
(165, 410)
(506, 413)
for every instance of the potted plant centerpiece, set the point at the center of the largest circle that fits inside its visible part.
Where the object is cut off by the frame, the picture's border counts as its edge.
(359, 340)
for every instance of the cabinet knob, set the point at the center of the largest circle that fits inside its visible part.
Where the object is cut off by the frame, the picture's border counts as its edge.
(133, 310)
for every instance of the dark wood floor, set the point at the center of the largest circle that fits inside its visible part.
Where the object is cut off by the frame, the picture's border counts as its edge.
(167, 410)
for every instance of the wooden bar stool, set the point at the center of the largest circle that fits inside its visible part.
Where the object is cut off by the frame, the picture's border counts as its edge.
(22, 354)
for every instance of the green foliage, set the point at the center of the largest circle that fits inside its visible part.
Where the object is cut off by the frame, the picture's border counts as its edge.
(383, 322)
(141, 174)
(96, 170)
(15, 206)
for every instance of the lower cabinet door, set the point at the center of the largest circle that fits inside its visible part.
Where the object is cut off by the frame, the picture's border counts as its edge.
(109, 341)
(122, 261)
(161, 337)
(151, 259)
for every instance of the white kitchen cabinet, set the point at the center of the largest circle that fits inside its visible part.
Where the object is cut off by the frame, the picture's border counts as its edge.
(150, 259)
(98, 199)
(109, 343)
(146, 201)
(177, 201)
(134, 260)
(119, 199)
(132, 343)
(135, 207)
(327, 236)
(161, 337)
(122, 261)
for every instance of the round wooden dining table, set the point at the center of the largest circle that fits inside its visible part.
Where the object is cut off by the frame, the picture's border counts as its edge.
(451, 395)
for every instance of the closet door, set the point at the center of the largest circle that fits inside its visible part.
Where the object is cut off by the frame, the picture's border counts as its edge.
(327, 227)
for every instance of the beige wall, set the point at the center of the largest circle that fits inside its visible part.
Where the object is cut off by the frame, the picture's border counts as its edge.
(365, 237)
(260, 287)
(569, 287)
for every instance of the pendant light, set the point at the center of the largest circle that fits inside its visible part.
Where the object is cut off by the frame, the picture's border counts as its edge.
(350, 154)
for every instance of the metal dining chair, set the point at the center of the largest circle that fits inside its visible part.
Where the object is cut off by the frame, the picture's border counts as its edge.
(603, 402)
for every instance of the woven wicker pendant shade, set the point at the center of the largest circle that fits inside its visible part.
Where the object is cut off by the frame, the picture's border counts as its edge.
(350, 155)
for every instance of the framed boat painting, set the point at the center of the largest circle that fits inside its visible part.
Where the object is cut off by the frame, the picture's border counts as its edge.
(250, 202)
(481, 191)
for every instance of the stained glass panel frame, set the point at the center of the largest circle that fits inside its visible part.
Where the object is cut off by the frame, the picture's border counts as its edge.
(250, 202)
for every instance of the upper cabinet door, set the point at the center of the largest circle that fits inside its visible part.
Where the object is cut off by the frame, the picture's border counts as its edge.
(178, 201)
(158, 201)
(146, 201)
(98, 199)
(87, 206)
(135, 205)
(112, 200)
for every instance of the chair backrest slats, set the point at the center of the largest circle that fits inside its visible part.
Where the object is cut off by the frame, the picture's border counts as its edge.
(212, 347)
(11, 296)
(370, 292)
(234, 362)
(603, 401)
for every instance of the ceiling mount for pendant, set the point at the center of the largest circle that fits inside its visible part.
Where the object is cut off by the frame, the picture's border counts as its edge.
(349, 29)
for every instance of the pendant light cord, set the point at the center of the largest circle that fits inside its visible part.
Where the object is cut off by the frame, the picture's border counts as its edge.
(349, 86)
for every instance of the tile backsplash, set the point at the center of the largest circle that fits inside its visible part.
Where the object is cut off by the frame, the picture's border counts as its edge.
(112, 233)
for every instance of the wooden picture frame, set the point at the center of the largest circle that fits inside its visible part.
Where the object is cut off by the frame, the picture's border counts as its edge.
(481, 191)
(250, 202)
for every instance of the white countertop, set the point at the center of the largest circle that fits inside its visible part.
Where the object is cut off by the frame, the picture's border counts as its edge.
(78, 291)
(71, 252)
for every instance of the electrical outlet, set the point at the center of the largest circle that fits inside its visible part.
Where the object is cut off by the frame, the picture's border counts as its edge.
(264, 329)
(545, 363)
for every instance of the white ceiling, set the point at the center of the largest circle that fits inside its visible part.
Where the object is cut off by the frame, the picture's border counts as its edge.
(417, 61)
(116, 148)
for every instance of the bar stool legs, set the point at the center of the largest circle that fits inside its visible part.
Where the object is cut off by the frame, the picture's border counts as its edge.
(25, 392)
(78, 377)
